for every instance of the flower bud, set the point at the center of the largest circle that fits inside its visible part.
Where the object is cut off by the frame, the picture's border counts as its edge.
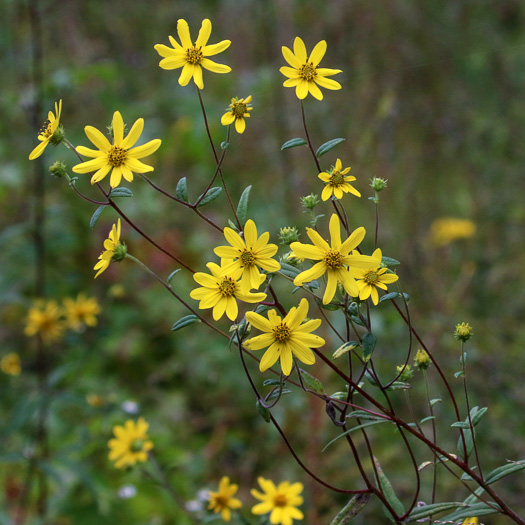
(58, 169)
(120, 252)
(463, 332)
(405, 372)
(310, 201)
(378, 184)
(288, 234)
(422, 360)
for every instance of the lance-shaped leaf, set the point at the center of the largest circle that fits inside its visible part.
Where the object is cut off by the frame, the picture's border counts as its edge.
(293, 143)
(327, 146)
(242, 207)
(185, 321)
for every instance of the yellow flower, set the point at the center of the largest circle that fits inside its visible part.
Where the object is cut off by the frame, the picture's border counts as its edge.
(81, 312)
(463, 332)
(95, 400)
(131, 443)
(471, 521)
(114, 250)
(445, 230)
(47, 131)
(285, 337)
(282, 501)
(305, 74)
(337, 182)
(219, 291)
(121, 158)
(239, 110)
(371, 279)
(334, 259)
(192, 57)
(422, 360)
(247, 255)
(44, 319)
(10, 364)
(222, 500)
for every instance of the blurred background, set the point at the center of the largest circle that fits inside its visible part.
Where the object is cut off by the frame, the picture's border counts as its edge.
(432, 100)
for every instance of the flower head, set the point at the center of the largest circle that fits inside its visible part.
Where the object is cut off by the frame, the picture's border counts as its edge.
(119, 158)
(49, 129)
(45, 320)
(114, 250)
(10, 364)
(422, 360)
(369, 280)
(222, 500)
(282, 501)
(81, 312)
(248, 255)
(238, 111)
(220, 289)
(305, 73)
(285, 337)
(405, 372)
(131, 443)
(446, 230)
(463, 332)
(192, 57)
(337, 182)
(333, 259)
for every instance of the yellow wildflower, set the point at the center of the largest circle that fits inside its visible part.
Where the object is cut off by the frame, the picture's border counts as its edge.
(238, 111)
(445, 230)
(463, 332)
(131, 443)
(45, 320)
(119, 158)
(282, 501)
(114, 250)
(10, 364)
(471, 521)
(47, 131)
(337, 182)
(81, 312)
(305, 74)
(192, 57)
(222, 500)
(285, 337)
(422, 360)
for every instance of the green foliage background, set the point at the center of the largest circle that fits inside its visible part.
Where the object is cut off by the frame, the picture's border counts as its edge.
(432, 100)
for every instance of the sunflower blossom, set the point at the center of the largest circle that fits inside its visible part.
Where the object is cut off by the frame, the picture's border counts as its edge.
(337, 182)
(333, 259)
(81, 312)
(45, 320)
(192, 57)
(121, 158)
(222, 500)
(371, 279)
(248, 255)
(219, 291)
(282, 501)
(305, 73)
(48, 130)
(114, 250)
(131, 443)
(10, 364)
(285, 337)
(237, 112)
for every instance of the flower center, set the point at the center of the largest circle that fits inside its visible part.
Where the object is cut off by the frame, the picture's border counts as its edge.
(238, 109)
(194, 55)
(337, 179)
(227, 287)
(220, 501)
(333, 259)
(281, 333)
(280, 500)
(117, 156)
(247, 258)
(136, 445)
(371, 277)
(47, 129)
(308, 72)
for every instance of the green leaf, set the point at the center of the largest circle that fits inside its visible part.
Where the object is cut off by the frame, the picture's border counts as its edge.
(469, 442)
(425, 419)
(428, 510)
(353, 429)
(475, 510)
(477, 415)
(181, 191)
(120, 192)
(278, 393)
(210, 196)
(472, 498)
(399, 385)
(505, 470)
(357, 320)
(460, 424)
(327, 146)
(172, 275)
(185, 321)
(96, 215)
(388, 490)
(312, 382)
(242, 207)
(368, 345)
(225, 145)
(290, 271)
(435, 401)
(263, 412)
(388, 261)
(389, 296)
(351, 509)
(273, 382)
(363, 414)
(371, 379)
(293, 143)
(330, 306)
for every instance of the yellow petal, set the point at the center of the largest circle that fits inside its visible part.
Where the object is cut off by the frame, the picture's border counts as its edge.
(184, 33)
(133, 135)
(299, 50)
(204, 33)
(118, 128)
(317, 53)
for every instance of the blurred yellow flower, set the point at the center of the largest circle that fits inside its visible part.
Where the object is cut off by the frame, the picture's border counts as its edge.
(471, 521)
(305, 74)
(282, 501)
(285, 337)
(81, 312)
(337, 182)
(445, 230)
(10, 364)
(192, 57)
(222, 500)
(131, 443)
(47, 131)
(121, 158)
(95, 400)
(114, 250)
(45, 320)
(248, 255)
(238, 111)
